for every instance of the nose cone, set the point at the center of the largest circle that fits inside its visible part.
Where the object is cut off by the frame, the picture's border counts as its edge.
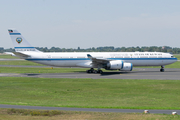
(172, 60)
(175, 59)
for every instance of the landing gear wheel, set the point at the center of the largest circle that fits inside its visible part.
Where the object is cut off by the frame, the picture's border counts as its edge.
(92, 69)
(95, 71)
(161, 70)
(88, 71)
(100, 71)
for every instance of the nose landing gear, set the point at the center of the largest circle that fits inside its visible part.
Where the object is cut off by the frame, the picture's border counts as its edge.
(162, 69)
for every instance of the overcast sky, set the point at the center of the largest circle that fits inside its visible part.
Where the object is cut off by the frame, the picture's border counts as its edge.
(92, 23)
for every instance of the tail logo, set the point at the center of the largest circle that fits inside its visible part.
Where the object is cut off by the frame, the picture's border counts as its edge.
(18, 40)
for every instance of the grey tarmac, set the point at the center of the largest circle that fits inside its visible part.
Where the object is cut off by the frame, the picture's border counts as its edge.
(89, 109)
(138, 73)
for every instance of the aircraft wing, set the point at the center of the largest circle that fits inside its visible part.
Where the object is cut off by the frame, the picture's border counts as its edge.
(97, 61)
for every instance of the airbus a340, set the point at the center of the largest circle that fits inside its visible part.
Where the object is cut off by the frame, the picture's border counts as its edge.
(108, 60)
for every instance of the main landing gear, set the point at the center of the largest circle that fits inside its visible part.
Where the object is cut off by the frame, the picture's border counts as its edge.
(162, 69)
(94, 71)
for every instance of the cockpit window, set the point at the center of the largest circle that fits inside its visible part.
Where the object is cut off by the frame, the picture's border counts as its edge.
(172, 56)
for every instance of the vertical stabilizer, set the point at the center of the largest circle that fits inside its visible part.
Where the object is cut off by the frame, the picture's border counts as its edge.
(20, 43)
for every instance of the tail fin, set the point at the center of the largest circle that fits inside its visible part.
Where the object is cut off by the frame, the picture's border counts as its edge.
(20, 43)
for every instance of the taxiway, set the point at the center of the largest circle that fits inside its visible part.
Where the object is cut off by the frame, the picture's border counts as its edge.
(88, 109)
(138, 73)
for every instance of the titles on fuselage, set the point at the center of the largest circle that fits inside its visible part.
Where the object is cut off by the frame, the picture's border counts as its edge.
(25, 49)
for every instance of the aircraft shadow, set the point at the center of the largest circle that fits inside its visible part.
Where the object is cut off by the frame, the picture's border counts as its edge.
(113, 73)
(32, 74)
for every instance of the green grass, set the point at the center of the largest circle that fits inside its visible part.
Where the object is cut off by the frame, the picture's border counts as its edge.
(177, 56)
(174, 65)
(90, 93)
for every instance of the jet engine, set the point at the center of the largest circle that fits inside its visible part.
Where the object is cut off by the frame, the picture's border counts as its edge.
(127, 67)
(114, 65)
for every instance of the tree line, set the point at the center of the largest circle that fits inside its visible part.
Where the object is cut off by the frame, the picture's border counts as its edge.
(106, 49)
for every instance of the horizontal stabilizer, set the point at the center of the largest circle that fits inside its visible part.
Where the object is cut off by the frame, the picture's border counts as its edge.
(20, 54)
(10, 53)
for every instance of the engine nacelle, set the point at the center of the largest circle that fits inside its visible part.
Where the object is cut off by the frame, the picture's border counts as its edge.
(114, 65)
(127, 67)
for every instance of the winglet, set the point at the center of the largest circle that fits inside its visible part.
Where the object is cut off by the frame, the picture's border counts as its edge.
(89, 56)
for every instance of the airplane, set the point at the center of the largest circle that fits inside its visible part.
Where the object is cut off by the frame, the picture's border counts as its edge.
(122, 61)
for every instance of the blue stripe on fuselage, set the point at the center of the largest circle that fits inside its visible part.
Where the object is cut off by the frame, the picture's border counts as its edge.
(142, 58)
(34, 59)
(23, 47)
(14, 33)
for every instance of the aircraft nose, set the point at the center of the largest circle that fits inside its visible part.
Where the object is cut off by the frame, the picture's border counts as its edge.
(176, 60)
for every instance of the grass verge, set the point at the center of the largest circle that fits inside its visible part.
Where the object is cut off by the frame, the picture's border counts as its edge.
(90, 93)
(21, 114)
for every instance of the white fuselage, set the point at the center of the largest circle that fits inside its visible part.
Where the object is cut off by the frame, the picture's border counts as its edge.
(80, 59)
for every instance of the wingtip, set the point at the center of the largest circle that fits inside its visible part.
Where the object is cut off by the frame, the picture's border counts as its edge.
(88, 55)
